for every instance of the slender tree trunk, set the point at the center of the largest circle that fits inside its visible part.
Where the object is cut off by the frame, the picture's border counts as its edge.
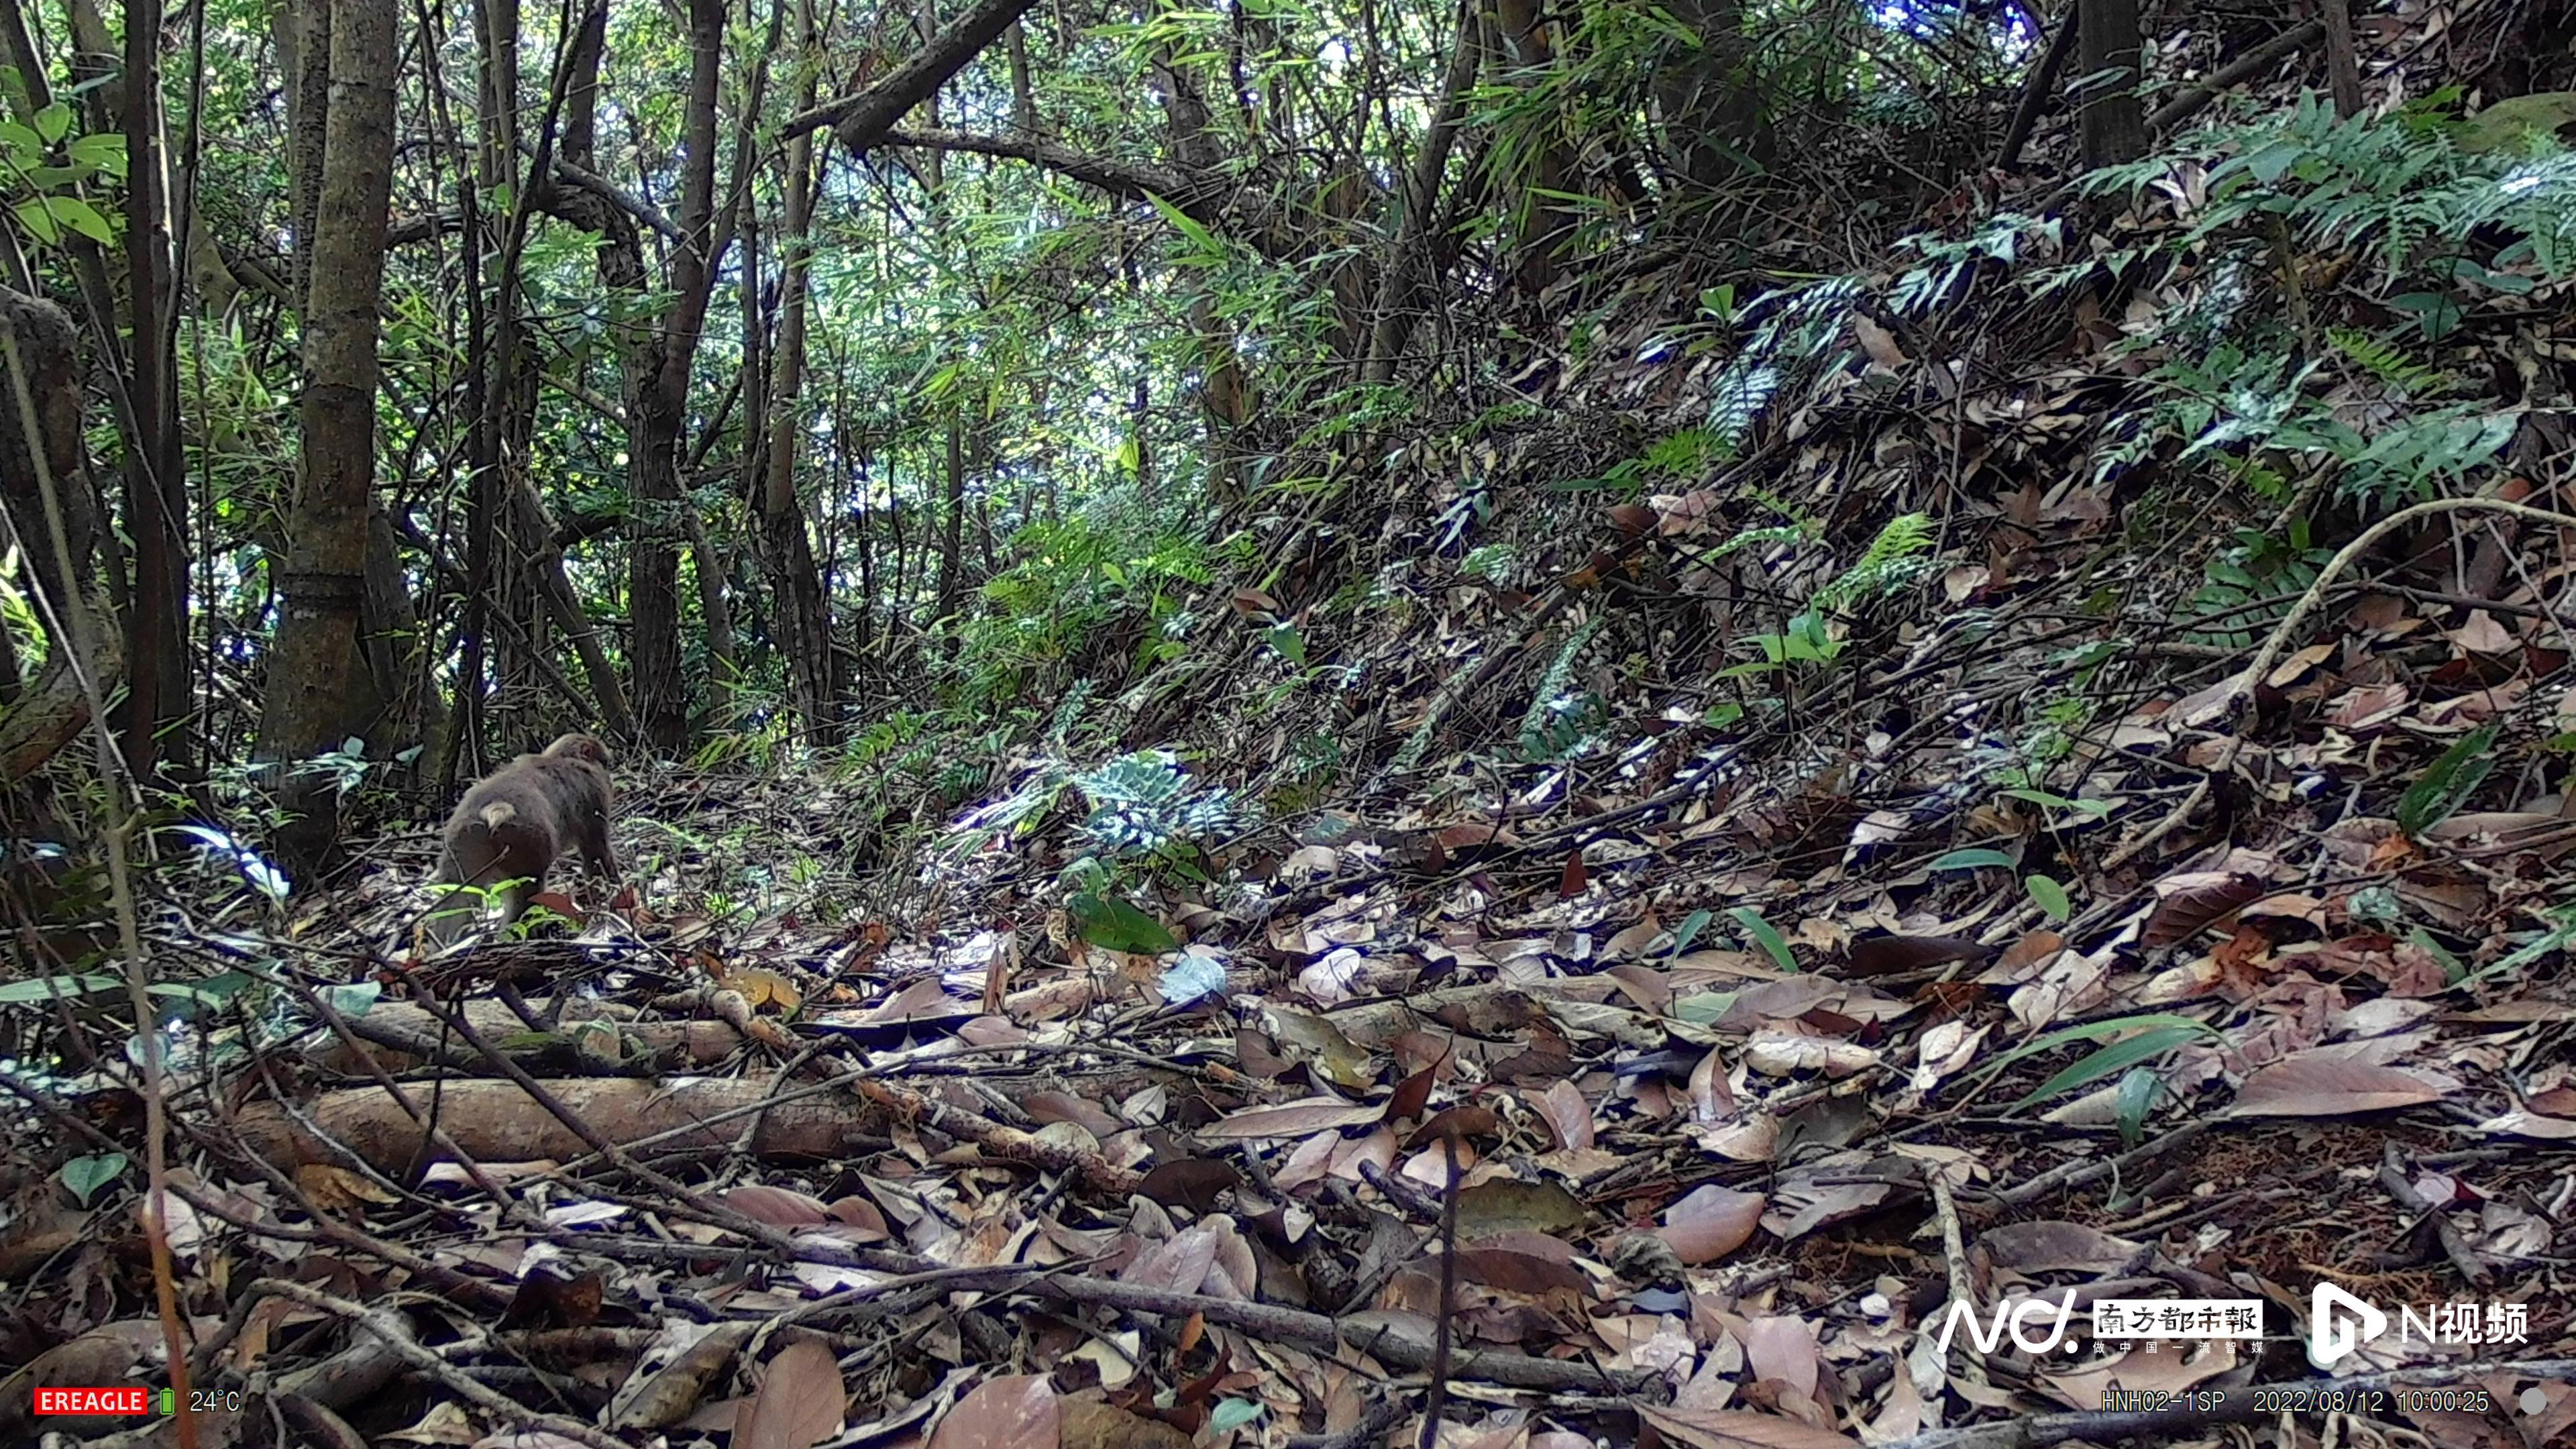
(2343, 59)
(658, 373)
(156, 499)
(2114, 126)
(1225, 401)
(540, 592)
(1421, 201)
(952, 561)
(1542, 222)
(798, 608)
(316, 656)
(1024, 103)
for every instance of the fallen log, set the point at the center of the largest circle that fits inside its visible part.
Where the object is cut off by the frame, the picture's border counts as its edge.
(495, 1121)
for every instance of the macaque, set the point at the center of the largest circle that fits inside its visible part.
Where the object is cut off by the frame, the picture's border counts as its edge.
(512, 825)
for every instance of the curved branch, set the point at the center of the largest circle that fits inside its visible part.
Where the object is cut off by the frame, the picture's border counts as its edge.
(862, 120)
(1196, 195)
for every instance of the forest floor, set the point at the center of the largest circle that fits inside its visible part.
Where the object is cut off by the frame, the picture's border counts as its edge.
(2066, 920)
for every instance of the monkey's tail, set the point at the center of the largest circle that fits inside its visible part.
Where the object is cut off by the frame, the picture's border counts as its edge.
(498, 814)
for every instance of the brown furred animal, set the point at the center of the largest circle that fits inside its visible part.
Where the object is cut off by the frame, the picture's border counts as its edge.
(514, 824)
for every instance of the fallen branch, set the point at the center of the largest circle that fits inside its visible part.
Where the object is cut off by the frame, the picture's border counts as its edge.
(389, 1329)
(2191, 102)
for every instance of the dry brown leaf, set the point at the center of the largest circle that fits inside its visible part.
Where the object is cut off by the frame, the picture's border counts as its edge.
(1293, 1119)
(800, 1403)
(1782, 1347)
(1877, 341)
(2190, 902)
(1709, 1223)
(780, 1207)
(1567, 1114)
(1736, 1429)
(1888, 955)
(1015, 1411)
(1091, 1424)
(2312, 1085)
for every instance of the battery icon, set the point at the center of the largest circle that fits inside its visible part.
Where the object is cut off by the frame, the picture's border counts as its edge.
(167, 1401)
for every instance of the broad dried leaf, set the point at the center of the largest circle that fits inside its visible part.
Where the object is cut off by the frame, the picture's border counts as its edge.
(1567, 1114)
(2192, 901)
(1888, 955)
(1293, 1119)
(1191, 1182)
(1507, 1205)
(1091, 1424)
(2326, 1086)
(780, 1207)
(1015, 1411)
(1710, 1223)
(1782, 1347)
(800, 1402)
(1736, 1429)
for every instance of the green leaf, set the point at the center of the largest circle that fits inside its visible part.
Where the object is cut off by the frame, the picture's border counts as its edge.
(38, 221)
(46, 988)
(54, 122)
(2087, 1031)
(99, 152)
(2050, 895)
(1209, 248)
(2095, 808)
(1233, 1414)
(1703, 1008)
(86, 1175)
(356, 999)
(22, 138)
(1692, 925)
(1112, 924)
(2448, 781)
(2112, 1058)
(1760, 930)
(1290, 644)
(2138, 1092)
(82, 217)
(1972, 860)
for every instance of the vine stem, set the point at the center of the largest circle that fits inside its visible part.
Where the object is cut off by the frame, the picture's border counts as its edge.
(2240, 688)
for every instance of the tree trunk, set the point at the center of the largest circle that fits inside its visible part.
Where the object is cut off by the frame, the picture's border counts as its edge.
(1542, 223)
(155, 478)
(658, 388)
(2343, 59)
(1225, 401)
(798, 610)
(52, 515)
(316, 657)
(1421, 201)
(1712, 111)
(2114, 126)
(952, 562)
